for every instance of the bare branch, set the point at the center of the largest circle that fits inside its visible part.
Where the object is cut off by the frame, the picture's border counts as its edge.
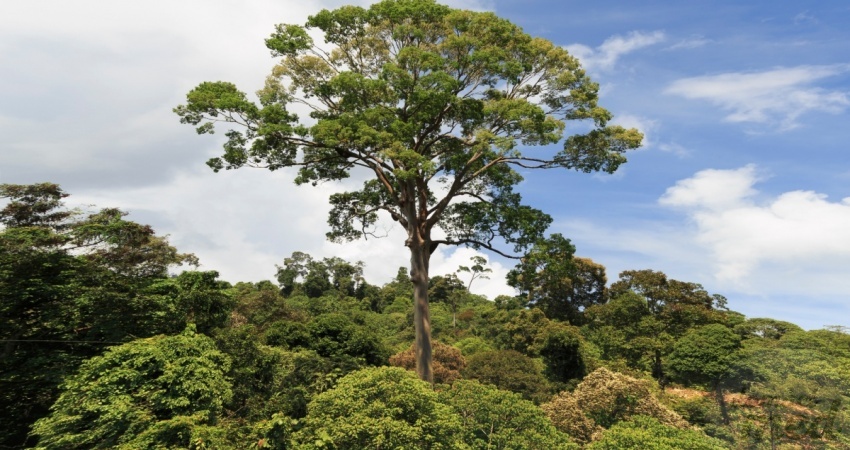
(478, 244)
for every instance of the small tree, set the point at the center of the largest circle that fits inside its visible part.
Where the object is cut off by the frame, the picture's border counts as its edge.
(647, 433)
(477, 270)
(435, 105)
(511, 371)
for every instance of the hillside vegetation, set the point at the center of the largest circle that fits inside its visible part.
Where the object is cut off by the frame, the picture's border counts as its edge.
(103, 348)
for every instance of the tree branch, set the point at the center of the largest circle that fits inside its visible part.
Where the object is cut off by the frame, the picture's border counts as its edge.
(476, 243)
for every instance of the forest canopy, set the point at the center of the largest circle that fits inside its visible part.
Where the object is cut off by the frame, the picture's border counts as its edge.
(104, 344)
(113, 338)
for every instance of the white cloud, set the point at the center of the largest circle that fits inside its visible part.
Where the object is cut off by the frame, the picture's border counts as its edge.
(690, 43)
(775, 97)
(242, 223)
(805, 18)
(674, 148)
(85, 79)
(758, 243)
(86, 101)
(605, 56)
(783, 256)
(447, 261)
(713, 190)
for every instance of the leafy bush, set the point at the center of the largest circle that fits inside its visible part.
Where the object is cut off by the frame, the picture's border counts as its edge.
(496, 419)
(447, 362)
(386, 407)
(163, 391)
(509, 370)
(603, 399)
(647, 433)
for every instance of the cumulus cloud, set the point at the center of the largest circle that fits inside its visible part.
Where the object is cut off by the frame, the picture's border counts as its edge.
(775, 97)
(605, 56)
(89, 87)
(86, 102)
(752, 238)
(243, 223)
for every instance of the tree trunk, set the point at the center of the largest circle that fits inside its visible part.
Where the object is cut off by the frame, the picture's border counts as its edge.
(721, 400)
(420, 254)
(771, 423)
(658, 370)
(11, 345)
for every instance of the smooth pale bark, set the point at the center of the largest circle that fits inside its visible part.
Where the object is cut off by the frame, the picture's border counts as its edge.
(419, 258)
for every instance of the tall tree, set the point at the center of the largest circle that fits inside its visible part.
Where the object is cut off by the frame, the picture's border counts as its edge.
(436, 106)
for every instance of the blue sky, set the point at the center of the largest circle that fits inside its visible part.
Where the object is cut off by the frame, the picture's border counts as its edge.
(743, 184)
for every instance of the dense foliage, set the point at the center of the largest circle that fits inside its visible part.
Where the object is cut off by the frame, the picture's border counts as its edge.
(438, 110)
(105, 344)
(161, 391)
(104, 348)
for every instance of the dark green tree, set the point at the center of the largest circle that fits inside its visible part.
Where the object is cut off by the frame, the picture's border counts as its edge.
(511, 371)
(549, 277)
(337, 336)
(665, 310)
(315, 278)
(72, 282)
(561, 347)
(707, 354)
(436, 106)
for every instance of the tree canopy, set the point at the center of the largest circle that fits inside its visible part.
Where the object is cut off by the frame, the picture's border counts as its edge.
(150, 393)
(265, 366)
(436, 107)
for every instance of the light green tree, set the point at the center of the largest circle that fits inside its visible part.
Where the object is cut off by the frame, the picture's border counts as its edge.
(160, 392)
(647, 433)
(384, 407)
(497, 419)
(436, 107)
(603, 399)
